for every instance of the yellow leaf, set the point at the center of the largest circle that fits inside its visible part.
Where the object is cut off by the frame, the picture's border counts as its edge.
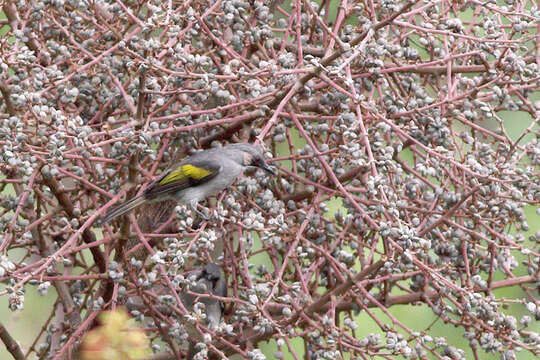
(113, 340)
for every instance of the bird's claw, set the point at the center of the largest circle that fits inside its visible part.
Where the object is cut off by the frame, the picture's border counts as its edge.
(200, 214)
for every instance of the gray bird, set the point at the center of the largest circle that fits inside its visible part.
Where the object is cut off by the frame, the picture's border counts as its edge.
(197, 177)
(208, 280)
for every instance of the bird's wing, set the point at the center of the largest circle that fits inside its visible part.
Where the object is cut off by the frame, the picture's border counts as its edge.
(181, 177)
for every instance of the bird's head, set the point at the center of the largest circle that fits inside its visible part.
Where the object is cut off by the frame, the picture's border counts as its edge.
(250, 156)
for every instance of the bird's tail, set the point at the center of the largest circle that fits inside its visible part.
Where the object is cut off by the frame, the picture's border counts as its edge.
(122, 209)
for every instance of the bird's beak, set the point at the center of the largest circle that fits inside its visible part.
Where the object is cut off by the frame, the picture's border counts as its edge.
(269, 169)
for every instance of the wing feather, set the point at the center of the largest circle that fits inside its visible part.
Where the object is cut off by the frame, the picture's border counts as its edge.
(180, 178)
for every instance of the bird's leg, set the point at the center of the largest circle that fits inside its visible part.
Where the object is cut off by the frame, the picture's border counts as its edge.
(193, 206)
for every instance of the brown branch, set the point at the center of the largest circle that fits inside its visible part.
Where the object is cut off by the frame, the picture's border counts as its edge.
(349, 175)
(11, 345)
(340, 289)
(71, 310)
(6, 95)
(432, 294)
(310, 50)
(450, 212)
(87, 235)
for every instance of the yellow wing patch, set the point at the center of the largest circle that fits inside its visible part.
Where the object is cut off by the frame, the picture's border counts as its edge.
(185, 171)
(195, 172)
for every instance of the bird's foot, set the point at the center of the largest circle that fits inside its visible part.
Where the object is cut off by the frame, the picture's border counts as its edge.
(199, 213)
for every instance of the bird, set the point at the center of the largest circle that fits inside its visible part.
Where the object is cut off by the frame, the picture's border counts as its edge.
(208, 280)
(197, 177)
(201, 281)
